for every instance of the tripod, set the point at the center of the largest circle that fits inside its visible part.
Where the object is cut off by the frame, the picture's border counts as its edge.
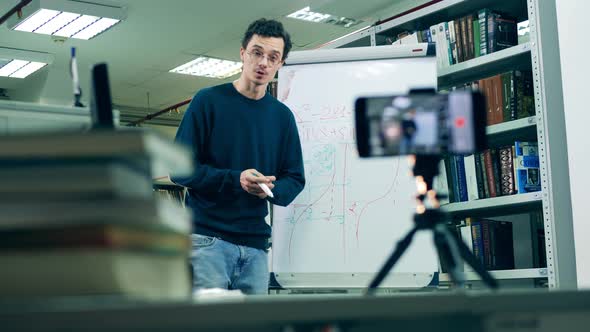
(450, 250)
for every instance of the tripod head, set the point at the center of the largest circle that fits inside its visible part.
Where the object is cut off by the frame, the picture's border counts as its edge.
(424, 169)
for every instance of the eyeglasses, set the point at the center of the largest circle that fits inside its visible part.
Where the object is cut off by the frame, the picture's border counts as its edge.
(257, 55)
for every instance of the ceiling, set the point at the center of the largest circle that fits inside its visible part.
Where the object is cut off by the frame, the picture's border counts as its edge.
(160, 35)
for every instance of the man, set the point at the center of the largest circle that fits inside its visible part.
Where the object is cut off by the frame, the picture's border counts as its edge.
(242, 137)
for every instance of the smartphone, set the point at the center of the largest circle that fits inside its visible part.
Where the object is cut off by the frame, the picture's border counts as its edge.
(421, 124)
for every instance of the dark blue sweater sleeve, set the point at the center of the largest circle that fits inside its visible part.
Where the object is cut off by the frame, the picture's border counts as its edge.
(192, 132)
(291, 177)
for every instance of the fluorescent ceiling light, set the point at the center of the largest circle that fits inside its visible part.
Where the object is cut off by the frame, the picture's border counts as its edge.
(28, 69)
(209, 67)
(17, 63)
(306, 14)
(67, 18)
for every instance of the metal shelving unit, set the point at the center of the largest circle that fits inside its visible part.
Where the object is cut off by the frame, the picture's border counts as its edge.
(496, 206)
(536, 273)
(547, 127)
(515, 57)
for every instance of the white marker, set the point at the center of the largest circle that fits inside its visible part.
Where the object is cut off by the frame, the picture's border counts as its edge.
(264, 188)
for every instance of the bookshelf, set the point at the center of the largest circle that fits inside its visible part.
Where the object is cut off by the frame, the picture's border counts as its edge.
(540, 55)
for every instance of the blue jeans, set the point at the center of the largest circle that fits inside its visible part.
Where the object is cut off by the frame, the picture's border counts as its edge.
(220, 264)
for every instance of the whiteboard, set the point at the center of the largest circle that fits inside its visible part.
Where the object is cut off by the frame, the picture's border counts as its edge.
(345, 223)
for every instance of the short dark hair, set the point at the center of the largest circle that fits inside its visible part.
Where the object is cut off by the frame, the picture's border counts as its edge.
(268, 28)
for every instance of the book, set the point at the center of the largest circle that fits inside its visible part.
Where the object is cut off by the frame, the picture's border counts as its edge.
(151, 213)
(121, 237)
(526, 167)
(502, 247)
(161, 154)
(73, 181)
(471, 178)
(66, 272)
(476, 37)
(489, 171)
(506, 171)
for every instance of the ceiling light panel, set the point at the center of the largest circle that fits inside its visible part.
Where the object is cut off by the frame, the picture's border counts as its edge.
(306, 14)
(209, 67)
(11, 67)
(16, 63)
(67, 18)
(28, 69)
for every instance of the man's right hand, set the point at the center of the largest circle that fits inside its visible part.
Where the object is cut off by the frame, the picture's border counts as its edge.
(249, 180)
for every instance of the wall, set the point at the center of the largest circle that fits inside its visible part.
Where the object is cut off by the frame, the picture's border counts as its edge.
(572, 17)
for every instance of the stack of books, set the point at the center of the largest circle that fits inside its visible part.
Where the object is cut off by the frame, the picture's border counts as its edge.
(79, 216)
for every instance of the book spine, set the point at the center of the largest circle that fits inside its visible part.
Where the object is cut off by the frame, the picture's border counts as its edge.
(459, 39)
(504, 245)
(477, 241)
(498, 105)
(462, 182)
(483, 31)
(449, 55)
(470, 42)
(471, 178)
(513, 95)
(462, 22)
(452, 43)
(479, 176)
(476, 38)
(484, 175)
(507, 174)
(506, 111)
(497, 171)
(490, 172)
(434, 36)
(450, 179)
(487, 244)
(528, 93)
(491, 30)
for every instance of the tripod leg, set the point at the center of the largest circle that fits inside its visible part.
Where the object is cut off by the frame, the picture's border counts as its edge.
(401, 246)
(470, 259)
(449, 253)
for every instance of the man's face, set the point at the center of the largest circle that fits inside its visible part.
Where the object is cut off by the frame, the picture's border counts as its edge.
(262, 58)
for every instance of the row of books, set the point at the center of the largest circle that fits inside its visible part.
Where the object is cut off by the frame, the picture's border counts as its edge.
(494, 172)
(490, 241)
(467, 37)
(79, 216)
(509, 95)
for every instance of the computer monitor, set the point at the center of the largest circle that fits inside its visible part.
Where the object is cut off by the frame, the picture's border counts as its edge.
(101, 106)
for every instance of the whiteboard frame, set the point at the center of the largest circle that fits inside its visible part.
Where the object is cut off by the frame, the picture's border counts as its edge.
(360, 54)
(403, 280)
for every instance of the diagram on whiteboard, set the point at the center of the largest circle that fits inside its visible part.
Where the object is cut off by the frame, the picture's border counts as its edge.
(352, 210)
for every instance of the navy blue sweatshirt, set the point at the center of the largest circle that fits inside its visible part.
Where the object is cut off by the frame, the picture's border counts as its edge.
(230, 133)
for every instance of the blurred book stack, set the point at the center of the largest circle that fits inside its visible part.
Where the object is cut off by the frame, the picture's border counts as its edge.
(79, 216)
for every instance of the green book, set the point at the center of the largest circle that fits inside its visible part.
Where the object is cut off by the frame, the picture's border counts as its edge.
(476, 38)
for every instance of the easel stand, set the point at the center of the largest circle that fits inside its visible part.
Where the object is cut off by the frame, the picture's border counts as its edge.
(450, 250)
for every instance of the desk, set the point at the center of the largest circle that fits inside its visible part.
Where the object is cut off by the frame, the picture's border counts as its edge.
(501, 312)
